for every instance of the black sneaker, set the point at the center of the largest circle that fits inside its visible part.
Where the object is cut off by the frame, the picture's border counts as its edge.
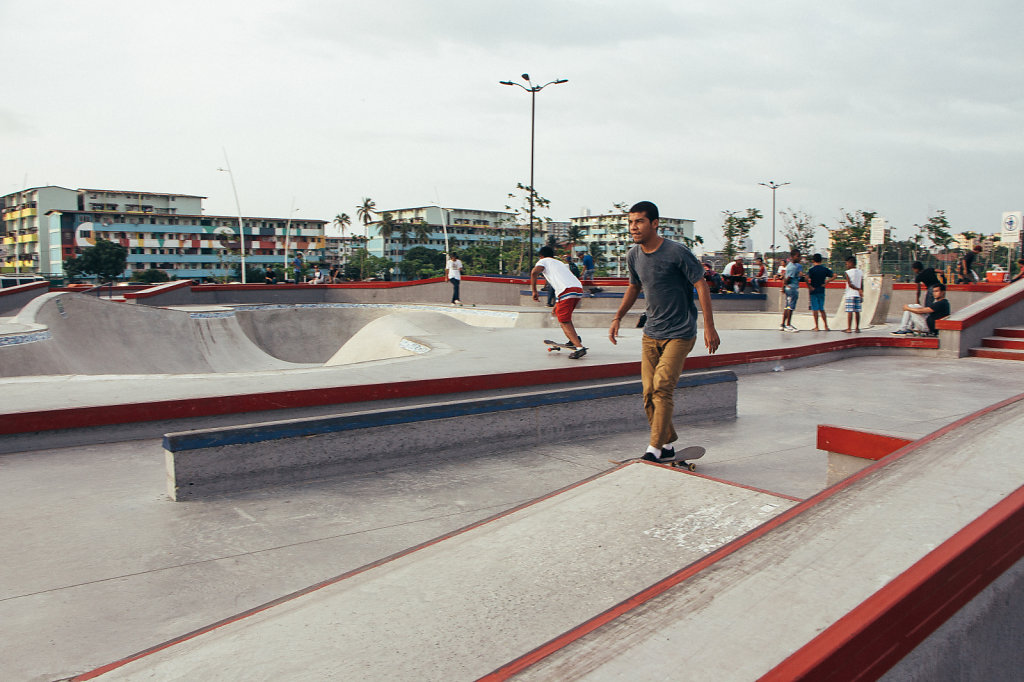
(578, 353)
(650, 457)
(667, 453)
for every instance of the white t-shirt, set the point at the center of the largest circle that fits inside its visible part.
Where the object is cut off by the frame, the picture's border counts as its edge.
(558, 275)
(854, 276)
(735, 269)
(454, 269)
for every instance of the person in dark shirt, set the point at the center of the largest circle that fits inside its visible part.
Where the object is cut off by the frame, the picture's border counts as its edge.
(928, 278)
(919, 319)
(966, 272)
(817, 277)
(1020, 272)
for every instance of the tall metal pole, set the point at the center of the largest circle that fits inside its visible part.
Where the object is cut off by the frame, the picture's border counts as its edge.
(238, 208)
(533, 118)
(533, 90)
(772, 185)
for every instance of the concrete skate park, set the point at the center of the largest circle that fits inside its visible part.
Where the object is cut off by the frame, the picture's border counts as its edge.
(362, 482)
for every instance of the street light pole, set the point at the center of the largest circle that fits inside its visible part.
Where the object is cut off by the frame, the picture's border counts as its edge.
(533, 90)
(772, 185)
(238, 208)
(287, 229)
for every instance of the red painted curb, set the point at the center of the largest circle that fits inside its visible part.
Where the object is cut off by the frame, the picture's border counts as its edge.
(856, 443)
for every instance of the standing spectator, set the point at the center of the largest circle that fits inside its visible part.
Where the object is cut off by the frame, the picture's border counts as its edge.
(854, 294)
(966, 267)
(759, 275)
(454, 269)
(791, 289)
(928, 278)
(588, 266)
(297, 267)
(817, 277)
(735, 275)
(668, 274)
(920, 319)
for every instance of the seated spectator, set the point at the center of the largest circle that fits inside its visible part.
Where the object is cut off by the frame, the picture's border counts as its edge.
(269, 277)
(735, 275)
(919, 319)
(318, 276)
(713, 278)
(759, 275)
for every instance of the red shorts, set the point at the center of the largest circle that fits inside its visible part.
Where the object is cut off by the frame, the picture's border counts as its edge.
(565, 306)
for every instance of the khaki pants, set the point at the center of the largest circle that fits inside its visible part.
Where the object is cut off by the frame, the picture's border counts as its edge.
(661, 363)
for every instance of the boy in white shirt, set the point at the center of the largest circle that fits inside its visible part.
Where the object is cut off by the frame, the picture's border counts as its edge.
(854, 295)
(568, 292)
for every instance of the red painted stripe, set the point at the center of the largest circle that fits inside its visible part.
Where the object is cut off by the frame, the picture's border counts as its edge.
(159, 289)
(330, 581)
(22, 288)
(887, 626)
(734, 484)
(988, 311)
(858, 443)
(518, 665)
(127, 413)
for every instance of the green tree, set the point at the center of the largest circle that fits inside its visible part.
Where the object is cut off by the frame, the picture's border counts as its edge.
(364, 212)
(151, 276)
(420, 262)
(106, 260)
(851, 237)
(519, 204)
(798, 228)
(736, 228)
(342, 221)
(938, 230)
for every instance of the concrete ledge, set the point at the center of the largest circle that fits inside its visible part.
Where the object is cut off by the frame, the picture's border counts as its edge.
(850, 450)
(238, 458)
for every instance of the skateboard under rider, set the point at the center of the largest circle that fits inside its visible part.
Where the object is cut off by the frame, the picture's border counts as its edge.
(678, 460)
(555, 345)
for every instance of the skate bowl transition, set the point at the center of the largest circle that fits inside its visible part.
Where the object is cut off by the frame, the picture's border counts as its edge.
(60, 333)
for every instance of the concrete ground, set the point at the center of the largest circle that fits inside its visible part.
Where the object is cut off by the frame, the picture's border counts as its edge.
(98, 563)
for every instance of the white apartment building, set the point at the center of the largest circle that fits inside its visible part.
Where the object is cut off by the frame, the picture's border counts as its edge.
(26, 245)
(433, 227)
(610, 232)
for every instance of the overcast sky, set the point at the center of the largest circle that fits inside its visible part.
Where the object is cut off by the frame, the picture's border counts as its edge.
(903, 108)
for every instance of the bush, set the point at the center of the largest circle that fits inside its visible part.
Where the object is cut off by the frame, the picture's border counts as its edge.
(151, 276)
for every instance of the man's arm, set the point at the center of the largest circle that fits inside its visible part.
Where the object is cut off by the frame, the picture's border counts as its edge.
(534, 274)
(628, 299)
(711, 339)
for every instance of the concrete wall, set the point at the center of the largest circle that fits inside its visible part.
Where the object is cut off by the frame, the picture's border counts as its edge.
(205, 462)
(978, 323)
(13, 299)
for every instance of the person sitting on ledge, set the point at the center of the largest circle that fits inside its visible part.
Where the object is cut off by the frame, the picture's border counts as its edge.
(919, 319)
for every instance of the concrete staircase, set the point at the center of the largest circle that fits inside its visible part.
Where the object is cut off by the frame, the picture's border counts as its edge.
(1007, 344)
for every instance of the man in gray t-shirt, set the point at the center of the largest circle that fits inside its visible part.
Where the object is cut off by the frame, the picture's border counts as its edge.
(667, 273)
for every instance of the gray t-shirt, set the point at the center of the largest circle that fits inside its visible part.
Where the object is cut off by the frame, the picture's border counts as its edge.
(667, 277)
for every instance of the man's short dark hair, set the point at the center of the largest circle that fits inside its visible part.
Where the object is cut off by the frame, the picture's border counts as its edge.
(647, 208)
(851, 259)
(816, 258)
(794, 252)
(940, 285)
(917, 265)
(546, 252)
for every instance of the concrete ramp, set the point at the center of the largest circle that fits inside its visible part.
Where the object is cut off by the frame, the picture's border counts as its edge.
(397, 335)
(458, 607)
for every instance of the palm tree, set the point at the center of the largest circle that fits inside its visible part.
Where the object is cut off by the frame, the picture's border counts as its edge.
(342, 221)
(364, 212)
(421, 231)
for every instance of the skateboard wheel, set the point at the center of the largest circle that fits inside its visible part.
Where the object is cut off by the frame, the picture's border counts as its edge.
(691, 466)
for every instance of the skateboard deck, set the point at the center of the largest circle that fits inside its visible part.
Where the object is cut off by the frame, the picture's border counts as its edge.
(555, 345)
(680, 460)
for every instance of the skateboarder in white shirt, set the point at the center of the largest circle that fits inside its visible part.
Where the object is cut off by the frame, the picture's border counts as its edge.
(568, 292)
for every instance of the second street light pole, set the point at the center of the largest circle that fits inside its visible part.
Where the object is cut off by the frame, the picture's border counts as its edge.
(533, 90)
(772, 185)
(238, 208)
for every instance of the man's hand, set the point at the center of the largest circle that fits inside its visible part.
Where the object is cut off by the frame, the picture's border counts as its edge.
(613, 331)
(711, 339)
(536, 297)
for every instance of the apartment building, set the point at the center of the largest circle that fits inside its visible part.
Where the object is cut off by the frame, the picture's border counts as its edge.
(610, 232)
(434, 227)
(169, 232)
(26, 245)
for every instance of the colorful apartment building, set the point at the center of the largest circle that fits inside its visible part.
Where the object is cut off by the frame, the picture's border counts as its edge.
(610, 234)
(434, 227)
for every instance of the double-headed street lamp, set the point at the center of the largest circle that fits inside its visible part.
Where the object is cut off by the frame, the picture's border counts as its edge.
(772, 185)
(533, 90)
